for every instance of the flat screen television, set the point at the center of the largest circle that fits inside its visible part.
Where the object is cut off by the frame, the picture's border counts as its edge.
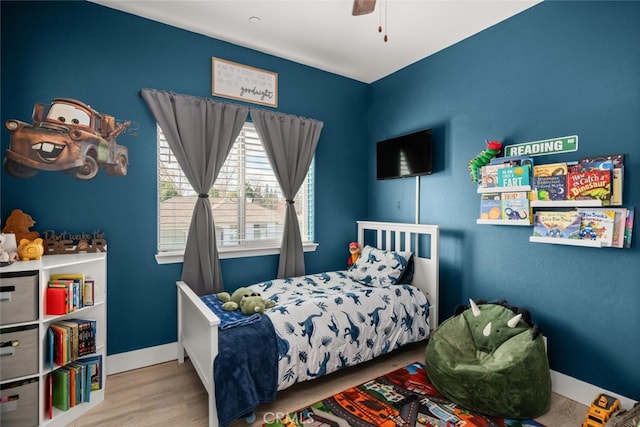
(407, 155)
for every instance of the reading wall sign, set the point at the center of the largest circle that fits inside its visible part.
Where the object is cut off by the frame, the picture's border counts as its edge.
(237, 81)
(564, 144)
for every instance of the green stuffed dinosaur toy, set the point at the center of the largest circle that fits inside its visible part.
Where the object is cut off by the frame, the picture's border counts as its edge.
(247, 300)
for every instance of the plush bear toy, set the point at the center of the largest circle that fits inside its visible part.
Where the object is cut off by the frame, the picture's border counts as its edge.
(247, 300)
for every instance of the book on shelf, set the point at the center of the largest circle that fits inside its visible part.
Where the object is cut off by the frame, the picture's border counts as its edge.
(49, 395)
(619, 225)
(597, 224)
(71, 339)
(72, 384)
(608, 161)
(88, 292)
(49, 351)
(612, 162)
(513, 161)
(94, 370)
(84, 386)
(489, 175)
(68, 287)
(71, 391)
(548, 188)
(550, 169)
(589, 185)
(515, 206)
(514, 176)
(557, 224)
(628, 229)
(76, 286)
(73, 333)
(60, 389)
(60, 342)
(490, 206)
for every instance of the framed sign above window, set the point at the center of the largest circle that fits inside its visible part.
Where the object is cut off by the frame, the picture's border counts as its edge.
(244, 83)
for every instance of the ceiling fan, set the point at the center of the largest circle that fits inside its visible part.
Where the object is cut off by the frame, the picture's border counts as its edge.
(363, 7)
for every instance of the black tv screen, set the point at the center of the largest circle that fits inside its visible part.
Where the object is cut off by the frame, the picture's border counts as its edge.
(407, 155)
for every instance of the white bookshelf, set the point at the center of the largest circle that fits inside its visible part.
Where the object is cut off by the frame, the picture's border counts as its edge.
(93, 266)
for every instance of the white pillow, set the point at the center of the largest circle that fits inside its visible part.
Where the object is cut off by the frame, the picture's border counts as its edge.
(376, 267)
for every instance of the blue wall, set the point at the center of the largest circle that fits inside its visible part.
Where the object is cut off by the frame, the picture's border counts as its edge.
(104, 57)
(558, 69)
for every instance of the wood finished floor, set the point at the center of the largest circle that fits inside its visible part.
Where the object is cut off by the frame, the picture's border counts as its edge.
(170, 394)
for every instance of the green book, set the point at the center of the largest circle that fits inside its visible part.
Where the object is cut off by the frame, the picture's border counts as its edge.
(60, 389)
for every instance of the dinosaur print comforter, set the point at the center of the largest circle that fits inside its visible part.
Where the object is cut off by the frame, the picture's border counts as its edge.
(325, 322)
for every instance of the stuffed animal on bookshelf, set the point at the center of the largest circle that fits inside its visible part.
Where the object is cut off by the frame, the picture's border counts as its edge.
(31, 249)
(483, 158)
(19, 223)
(245, 299)
(7, 254)
(354, 250)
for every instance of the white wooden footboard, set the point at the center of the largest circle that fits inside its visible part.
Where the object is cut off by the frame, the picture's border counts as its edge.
(198, 336)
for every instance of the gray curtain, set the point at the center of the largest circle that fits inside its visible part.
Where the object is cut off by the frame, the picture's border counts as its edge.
(290, 143)
(200, 133)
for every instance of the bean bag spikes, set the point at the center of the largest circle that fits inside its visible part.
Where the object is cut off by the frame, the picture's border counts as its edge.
(489, 358)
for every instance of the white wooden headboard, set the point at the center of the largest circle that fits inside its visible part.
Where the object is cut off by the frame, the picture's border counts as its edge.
(423, 241)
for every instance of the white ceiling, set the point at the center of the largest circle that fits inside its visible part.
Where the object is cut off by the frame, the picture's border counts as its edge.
(324, 34)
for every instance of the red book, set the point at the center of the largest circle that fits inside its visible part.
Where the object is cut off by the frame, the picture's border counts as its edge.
(589, 185)
(57, 301)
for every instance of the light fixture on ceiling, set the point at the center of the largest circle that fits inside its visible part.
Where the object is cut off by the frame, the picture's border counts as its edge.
(365, 7)
(255, 19)
(385, 21)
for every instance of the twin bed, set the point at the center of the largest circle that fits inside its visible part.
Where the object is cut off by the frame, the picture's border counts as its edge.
(321, 322)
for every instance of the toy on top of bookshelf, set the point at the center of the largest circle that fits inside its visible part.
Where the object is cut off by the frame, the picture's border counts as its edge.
(515, 206)
(19, 223)
(563, 225)
(483, 158)
(514, 176)
(597, 224)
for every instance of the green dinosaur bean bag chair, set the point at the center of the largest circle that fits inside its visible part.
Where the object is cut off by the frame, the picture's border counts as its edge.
(490, 358)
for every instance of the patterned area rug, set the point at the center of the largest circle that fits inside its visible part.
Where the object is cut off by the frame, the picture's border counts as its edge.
(402, 398)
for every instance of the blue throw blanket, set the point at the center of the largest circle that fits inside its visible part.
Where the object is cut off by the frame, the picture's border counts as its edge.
(228, 319)
(245, 369)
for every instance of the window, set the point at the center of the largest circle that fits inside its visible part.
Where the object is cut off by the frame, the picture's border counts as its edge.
(248, 206)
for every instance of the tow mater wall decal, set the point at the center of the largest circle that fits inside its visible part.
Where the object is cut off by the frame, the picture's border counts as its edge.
(66, 135)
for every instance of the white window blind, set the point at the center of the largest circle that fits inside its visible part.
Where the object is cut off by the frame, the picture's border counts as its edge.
(248, 205)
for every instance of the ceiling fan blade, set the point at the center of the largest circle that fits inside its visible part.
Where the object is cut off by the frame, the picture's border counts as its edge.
(363, 7)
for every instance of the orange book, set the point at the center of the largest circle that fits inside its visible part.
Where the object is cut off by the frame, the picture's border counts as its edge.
(72, 386)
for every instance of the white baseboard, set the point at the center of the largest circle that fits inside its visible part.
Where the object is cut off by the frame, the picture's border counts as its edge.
(562, 384)
(136, 359)
(583, 392)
